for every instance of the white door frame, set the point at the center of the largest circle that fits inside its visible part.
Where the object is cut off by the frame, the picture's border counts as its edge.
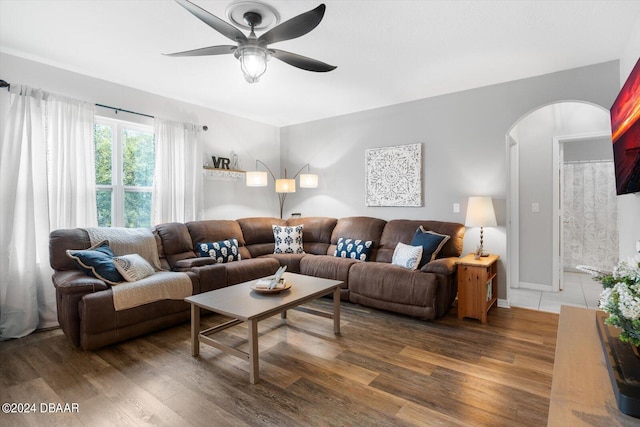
(558, 227)
(513, 214)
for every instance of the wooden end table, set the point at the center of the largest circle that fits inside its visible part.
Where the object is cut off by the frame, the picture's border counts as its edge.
(477, 286)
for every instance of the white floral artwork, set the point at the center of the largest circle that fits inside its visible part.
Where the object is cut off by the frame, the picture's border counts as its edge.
(394, 176)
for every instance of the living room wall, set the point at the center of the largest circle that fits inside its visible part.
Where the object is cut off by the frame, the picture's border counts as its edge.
(463, 137)
(464, 148)
(226, 133)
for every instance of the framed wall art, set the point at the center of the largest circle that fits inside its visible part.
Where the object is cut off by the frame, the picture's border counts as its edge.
(394, 176)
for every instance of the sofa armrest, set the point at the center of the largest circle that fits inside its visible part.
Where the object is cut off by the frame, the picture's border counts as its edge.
(211, 277)
(76, 282)
(71, 286)
(189, 263)
(444, 266)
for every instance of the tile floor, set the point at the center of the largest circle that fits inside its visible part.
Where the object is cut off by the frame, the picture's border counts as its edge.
(580, 290)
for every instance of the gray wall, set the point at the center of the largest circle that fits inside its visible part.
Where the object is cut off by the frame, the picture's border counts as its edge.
(464, 149)
(591, 149)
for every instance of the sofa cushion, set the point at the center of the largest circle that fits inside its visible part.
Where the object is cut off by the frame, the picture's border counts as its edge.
(407, 256)
(316, 234)
(250, 269)
(124, 241)
(358, 228)
(431, 243)
(403, 230)
(292, 261)
(175, 241)
(214, 230)
(389, 287)
(133, 267)
(328, 267)
(288, 240)
(97, 261)
(62, 240)
(222, 251)
(354, 249)
(258, 234)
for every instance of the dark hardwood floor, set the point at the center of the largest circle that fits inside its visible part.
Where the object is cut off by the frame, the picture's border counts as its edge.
(384, 370)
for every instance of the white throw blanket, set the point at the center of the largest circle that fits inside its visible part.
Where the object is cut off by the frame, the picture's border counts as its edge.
(125, 241)
(160, 285)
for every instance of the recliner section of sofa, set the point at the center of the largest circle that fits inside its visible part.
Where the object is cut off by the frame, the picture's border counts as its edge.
(329, 266)
(85, 304)
(426, 293)
(86, 312)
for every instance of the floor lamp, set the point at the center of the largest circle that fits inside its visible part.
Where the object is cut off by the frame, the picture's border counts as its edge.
(283, 185)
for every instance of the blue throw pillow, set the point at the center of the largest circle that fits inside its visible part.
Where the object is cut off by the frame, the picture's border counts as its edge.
(431, 243)
(352, 248)
(223, 250)
(97, 261)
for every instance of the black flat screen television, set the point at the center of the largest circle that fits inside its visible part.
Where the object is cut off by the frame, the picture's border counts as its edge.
(625, 133)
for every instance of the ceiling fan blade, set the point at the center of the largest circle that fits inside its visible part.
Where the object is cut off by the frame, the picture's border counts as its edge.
(302, 62)
(294, 27)
(211, 50)
(213, 21)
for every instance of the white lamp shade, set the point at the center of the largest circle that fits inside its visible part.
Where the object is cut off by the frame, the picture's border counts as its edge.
(308, 180)
(256, 179)
(480, 212)
(285, 185)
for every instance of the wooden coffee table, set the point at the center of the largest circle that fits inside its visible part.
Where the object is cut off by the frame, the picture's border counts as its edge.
(243, 304)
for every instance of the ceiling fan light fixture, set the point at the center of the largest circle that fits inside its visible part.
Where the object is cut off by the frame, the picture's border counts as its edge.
(253, 62)
(254, 52)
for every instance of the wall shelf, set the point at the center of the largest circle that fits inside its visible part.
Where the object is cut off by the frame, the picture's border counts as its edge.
(223, 174)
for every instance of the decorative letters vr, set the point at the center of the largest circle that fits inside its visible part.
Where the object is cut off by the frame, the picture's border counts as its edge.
(221, 162)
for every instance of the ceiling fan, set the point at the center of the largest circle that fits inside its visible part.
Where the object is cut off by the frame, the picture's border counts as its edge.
(253, 52)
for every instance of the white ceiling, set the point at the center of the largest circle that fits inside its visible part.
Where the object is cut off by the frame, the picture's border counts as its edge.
(387, 52)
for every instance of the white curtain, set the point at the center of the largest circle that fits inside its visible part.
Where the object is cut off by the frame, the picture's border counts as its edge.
(590, 215)
(177, 186)
(41, 143)
(72, 193)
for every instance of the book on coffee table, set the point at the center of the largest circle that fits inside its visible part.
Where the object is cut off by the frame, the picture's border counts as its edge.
(277, 281)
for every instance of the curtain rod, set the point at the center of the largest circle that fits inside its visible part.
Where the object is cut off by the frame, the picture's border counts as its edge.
(124, 111)
(4, 83)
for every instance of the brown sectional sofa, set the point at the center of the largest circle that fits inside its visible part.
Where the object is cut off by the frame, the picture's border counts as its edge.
(85, 304)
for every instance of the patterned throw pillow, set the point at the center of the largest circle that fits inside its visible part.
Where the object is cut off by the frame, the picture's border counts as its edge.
(97, 261)
(223, 251)
(407, 256)
(431, 242)
(133, 267)
(352, 248)
(288, 239)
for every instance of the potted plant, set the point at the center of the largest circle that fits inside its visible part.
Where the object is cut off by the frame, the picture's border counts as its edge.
(620, 297)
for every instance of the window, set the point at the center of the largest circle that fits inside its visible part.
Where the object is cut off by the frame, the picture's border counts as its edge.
(125, 162)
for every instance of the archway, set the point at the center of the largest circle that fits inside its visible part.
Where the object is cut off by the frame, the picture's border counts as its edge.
(533, 226)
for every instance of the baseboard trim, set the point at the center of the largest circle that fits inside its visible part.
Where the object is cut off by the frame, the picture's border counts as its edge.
(503, 303)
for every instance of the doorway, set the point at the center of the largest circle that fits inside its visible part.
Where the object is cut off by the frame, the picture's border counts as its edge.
(587, 211)
(533, 199)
